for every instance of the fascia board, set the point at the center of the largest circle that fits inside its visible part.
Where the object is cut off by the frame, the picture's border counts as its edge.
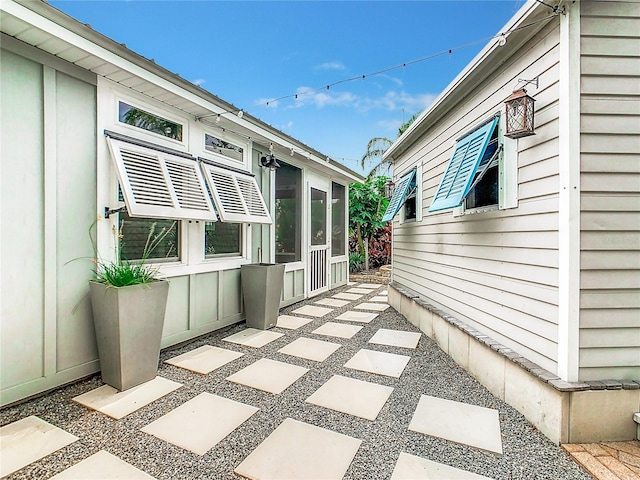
(62, 26)
(489, 53)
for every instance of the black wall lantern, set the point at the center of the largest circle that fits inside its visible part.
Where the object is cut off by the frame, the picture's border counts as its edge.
(269, 161)
(520, 115)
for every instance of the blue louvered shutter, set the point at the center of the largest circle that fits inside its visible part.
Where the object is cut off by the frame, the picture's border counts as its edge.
(399, 195)
(462, 167)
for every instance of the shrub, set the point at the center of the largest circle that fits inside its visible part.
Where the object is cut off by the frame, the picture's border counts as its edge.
(380, 247)
(356, 262)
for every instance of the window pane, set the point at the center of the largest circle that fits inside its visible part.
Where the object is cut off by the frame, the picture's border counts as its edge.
(159, 237)
(318, 217)
(222, 147)
(222, 239)
(288, 213)
(148, 121)
(338, 208)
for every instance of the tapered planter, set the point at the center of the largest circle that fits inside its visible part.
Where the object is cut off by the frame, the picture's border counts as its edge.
(128, 323)
(262, 289)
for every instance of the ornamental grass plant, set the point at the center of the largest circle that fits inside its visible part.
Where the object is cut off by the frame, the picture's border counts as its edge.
(122, 273)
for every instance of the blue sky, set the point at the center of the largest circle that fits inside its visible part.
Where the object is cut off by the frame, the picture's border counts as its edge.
(249, 53)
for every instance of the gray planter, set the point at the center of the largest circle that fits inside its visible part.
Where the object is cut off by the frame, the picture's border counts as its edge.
(262, 289)
(128, 323)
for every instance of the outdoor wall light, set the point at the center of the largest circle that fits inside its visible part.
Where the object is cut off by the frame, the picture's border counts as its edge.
(389, 188)
(269, 162)
(520, 114)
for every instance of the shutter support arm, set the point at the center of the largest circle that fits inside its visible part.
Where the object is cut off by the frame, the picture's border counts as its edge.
(108, 212)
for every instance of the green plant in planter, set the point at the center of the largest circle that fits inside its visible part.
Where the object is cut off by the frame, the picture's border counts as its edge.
(122, 273)
(128, 303)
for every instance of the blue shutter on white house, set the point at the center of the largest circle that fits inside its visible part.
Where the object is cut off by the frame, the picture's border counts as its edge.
(399, 195)
(458, 177)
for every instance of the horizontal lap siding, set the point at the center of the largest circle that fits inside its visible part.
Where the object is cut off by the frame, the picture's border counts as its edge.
(497, 271)
(610, 191)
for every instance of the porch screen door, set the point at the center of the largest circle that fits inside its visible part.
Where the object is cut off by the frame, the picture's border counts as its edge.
(319, 242)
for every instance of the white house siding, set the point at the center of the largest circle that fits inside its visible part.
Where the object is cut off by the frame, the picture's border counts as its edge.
(610, 191)
(497, 271)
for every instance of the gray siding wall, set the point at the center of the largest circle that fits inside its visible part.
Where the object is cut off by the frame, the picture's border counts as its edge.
(610, 191)
(497, 271)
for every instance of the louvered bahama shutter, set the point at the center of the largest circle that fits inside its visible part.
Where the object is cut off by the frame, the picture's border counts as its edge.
(236, 195)
(399, 194)
(462, 167)
(160, 185)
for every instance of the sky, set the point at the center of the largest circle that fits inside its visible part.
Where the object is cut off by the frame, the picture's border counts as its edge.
(252, 53)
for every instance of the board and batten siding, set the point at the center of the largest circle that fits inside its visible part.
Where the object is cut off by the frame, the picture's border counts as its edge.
(610, 191)
(497, 271)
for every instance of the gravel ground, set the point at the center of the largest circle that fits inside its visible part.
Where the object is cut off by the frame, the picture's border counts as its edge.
(527, 453)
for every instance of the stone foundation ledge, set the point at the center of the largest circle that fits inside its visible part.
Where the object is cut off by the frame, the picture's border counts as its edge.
(566, 412)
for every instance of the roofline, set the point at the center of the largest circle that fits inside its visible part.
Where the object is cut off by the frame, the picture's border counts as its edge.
(53, 14)
(463, 81)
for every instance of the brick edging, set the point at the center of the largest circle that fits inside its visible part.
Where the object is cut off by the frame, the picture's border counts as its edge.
(531, 367)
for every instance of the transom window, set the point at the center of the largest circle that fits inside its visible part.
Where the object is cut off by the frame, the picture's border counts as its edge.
(223, 147)
(148, 121)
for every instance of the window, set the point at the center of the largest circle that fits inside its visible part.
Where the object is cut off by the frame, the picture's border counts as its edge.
(148, 121)
(222, 147)
(222, 239)
(318, 217)
(410, 201)
(484, 189)
(160, 184)
(288, 214)
(148, 238)
(402, 190)
(472, 157)
(338, 212)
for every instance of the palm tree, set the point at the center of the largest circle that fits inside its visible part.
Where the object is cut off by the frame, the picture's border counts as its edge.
(378, 145)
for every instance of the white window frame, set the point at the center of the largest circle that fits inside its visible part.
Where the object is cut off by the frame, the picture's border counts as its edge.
(148, 135)
(227, 136)
(507, 176)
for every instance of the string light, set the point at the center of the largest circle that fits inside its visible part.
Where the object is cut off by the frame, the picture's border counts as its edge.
(501, 41)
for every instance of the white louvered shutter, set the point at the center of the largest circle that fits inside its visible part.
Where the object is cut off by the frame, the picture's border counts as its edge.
(236, 195)
(160, 185)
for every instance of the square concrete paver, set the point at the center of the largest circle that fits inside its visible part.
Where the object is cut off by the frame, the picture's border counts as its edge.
(371, 286)
(347, 296)
(291, 322)
(458, 422)
(396, 338)
(116, 404)
(382, 363)
(199, 424)
(268, 375)
(376, 307)
(410, 467)
(297, 450)
(316, 350)
(355, 397)
(332, 302)
(340, 330)
(252, 337)
(102, 466)
(383, 292)
(312, 311)
(204, 359)
(363, 291)
(28, 440)
(379, 298)
(362, 317)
